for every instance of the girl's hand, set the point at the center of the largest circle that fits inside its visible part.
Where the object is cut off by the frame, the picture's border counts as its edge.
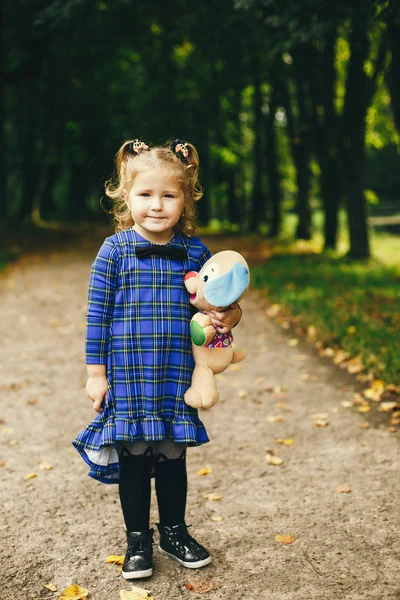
(96, 389)
(226, 319)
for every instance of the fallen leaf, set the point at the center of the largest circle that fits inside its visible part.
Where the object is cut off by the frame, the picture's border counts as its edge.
(213, 496)
(74, 592)
(276, 461)
(284, 539)
(375, 391)
(2, 463)
(44, 466)
(216, 518)
(285, 442)
(387, 406)
(135, 594)
(273, 310)
(340, 356)
(305, 376)
(51, 587)
(235, 367)
(328, 352)
(311, 333)
(116, 559)
(204, 471)
(355, 366)
(293, 342)
(242, 394)
(392, 429)
(363, 409)
(13, 442)
(283, 407)
(201, 587)
(344, 488)
(364, 425)
(347, 403)
(277, 419)
(321, 423)
(32, 402)
(279, 389)
(30, 476)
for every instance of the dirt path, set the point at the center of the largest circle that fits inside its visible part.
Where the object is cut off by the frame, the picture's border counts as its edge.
(60, 526)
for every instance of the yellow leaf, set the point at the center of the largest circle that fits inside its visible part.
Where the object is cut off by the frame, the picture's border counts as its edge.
(213, 496)
(242, 394)
(284, 539)
(340, 356)
(51, 587)
(216, 518)
(274, 460)
(347, 403)
(285, 442)
(31, 476)
(311, 333)
(44, 466)
(277, 419)
(364, 409)
(117, 559)
(387, 406)
(204, 471)
(364, 425)
(235, 367)
(13, 442)
(351, 330)
(293, 342)
(283, 407)
(375, 391)
(321, 423)
(74, 592)
(135, 594)
(344, 488)
(273, 310)
(279, 389)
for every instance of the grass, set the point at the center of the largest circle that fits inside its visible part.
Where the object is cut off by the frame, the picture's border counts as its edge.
(353, 305)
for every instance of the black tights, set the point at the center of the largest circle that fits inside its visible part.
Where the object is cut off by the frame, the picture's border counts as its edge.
(138, 461)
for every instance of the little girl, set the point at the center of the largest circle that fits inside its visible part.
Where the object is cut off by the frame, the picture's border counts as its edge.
(138, 349)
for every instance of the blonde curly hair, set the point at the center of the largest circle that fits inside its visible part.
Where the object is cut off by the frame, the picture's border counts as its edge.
(128, 165)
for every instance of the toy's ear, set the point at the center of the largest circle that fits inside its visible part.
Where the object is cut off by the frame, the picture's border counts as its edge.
(228, 288)
(191, 281)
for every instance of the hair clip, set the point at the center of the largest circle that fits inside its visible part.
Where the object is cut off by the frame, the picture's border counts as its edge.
(136, 147)
(181, 149)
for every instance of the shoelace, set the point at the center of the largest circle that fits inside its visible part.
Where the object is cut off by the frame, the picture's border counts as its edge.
(137, 545)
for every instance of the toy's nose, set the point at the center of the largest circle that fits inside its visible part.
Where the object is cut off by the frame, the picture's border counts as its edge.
(189, 275)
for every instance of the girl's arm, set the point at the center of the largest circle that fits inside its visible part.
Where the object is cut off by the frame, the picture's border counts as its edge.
(102, 287)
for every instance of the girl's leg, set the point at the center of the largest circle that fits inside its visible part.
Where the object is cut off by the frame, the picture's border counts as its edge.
(136, 463)
(171, 481)
(171, 489)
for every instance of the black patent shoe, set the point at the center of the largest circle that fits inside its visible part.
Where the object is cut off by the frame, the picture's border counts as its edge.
(176, 543)
(138, 561)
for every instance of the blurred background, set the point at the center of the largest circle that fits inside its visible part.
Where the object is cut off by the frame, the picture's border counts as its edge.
(294, 108)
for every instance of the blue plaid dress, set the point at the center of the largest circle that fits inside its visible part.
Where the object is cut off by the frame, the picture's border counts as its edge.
(138, 325)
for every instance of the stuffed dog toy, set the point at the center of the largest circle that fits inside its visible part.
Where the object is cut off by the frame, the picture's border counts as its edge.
(223, 280)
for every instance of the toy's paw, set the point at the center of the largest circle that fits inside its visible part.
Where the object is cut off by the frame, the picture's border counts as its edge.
(238, 355)
(193, 398)
(201, 336)
(203, 399)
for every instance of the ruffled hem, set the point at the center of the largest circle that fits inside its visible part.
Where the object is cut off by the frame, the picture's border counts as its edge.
(98, 442)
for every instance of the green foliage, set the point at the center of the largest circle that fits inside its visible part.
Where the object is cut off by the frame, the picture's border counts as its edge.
(354, 306)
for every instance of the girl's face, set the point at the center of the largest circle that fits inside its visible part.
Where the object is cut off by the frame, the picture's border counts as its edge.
(156, 201)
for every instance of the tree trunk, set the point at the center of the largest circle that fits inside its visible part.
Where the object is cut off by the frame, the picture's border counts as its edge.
(274, 183)
(257, 214)
(3, 168)
(359, 94)
(299, 142)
